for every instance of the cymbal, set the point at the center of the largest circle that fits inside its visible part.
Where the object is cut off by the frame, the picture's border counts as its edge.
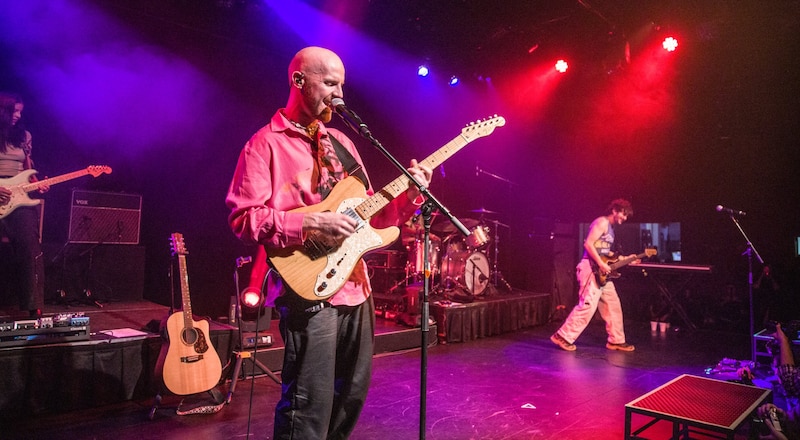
(447, 227)
(483, 211)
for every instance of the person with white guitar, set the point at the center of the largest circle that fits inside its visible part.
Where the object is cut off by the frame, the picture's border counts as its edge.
(292, 164)
(22, 224)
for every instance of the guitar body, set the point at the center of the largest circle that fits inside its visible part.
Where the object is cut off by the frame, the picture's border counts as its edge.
(18, 196)
(603, 279)
(319, 278)
(191, 364)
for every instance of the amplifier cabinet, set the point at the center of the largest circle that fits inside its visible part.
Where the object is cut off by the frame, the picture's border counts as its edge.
(105, 217)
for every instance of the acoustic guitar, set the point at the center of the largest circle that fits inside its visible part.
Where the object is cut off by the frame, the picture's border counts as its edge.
(191, 365)
(615, 263)
(20, 185)
(318, 269)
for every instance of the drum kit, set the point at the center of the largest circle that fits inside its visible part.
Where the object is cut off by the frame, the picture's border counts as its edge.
(456, 262)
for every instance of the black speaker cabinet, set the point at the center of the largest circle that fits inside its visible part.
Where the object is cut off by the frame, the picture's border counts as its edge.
(105, 217)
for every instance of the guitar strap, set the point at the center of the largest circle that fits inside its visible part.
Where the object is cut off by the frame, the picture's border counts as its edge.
(349, 163)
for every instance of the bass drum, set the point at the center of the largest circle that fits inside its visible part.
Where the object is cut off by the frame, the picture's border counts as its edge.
(470, 271)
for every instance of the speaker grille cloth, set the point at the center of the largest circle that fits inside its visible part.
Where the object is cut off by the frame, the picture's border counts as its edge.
(104, 225)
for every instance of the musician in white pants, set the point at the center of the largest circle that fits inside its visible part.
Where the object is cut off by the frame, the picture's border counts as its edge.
(595, 291)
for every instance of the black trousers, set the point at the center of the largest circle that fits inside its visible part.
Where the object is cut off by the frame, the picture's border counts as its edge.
(22, 228)
(327, 367)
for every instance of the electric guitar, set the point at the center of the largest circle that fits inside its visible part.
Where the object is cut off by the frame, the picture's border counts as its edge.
(615, 263)
(20, 185)
(318, 269)
(191, 365)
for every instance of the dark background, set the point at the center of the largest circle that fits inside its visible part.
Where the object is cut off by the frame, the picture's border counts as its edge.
(166, 93)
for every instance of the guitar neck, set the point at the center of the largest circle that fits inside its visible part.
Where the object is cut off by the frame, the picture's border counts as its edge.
(185, 301)
(53, 180)
(626, 261)
(379, 200)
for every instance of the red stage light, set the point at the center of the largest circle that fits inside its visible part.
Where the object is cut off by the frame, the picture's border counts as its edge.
(670, 44)
(561, 66)
(252, 298)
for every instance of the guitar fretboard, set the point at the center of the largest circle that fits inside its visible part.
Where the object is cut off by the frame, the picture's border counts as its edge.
(185, 300)
(380, 199)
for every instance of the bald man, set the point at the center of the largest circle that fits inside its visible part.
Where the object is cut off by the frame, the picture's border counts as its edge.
(291, 163)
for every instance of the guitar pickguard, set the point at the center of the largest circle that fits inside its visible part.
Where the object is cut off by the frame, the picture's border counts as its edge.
(342, 261)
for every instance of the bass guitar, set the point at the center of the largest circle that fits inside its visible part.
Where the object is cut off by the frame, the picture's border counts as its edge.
(615, 263)
(318, 269)
(191, 365)
(20, 185)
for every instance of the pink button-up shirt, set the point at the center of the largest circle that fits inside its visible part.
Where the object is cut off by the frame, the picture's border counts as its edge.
(279, 171)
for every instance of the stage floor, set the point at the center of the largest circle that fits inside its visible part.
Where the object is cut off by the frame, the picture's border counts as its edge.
(509, 386)
(113, 358)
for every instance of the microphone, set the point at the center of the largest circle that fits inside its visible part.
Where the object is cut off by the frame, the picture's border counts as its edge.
(241, 261)
(730, 211)
(350, 118)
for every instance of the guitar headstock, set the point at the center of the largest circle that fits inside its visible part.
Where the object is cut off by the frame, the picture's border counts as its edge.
(96, 170)
(651, 252)
(483, 128)
(177, 245)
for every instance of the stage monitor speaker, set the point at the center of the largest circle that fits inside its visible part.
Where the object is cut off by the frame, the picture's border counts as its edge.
(105, 217)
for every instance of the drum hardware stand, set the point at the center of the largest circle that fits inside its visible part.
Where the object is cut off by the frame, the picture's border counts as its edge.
(496, 275)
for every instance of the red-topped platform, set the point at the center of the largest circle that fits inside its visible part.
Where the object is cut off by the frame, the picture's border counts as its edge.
(696, 402)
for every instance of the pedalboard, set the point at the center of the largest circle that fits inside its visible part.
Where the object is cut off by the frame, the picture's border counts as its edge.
(62, 327)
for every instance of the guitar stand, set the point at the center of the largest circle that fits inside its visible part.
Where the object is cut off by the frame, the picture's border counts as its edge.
(216, 406)
(216, 396)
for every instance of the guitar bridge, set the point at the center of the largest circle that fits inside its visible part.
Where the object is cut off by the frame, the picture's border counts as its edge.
(190, 359)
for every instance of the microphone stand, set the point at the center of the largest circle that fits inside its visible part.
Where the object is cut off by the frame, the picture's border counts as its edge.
(431, 203)
(749, 252)
(479, 171)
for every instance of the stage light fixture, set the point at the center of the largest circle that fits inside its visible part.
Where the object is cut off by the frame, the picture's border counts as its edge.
(253, 312)
(561, 66)
(670, 44)
(251, 298)
(423, 71)
(453, 81)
